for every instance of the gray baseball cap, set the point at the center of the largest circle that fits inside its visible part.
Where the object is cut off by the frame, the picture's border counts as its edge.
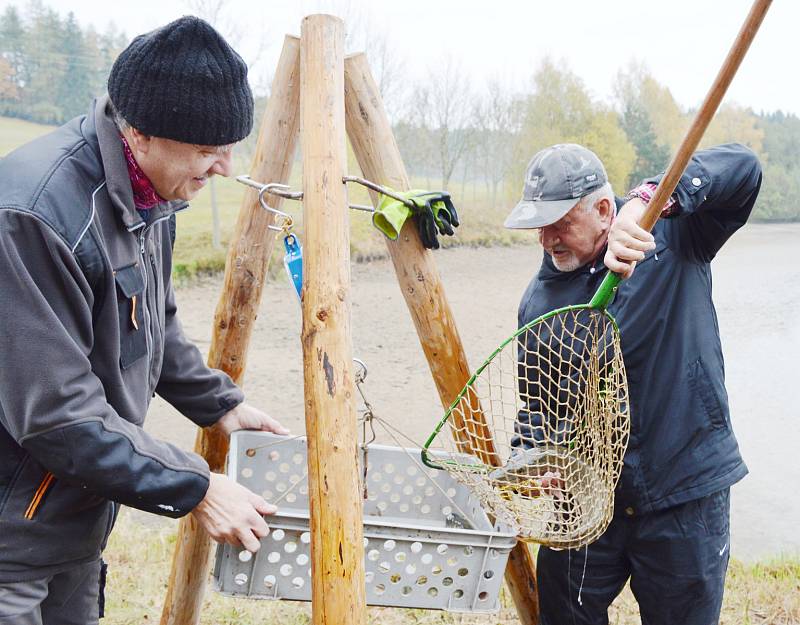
(556, 178)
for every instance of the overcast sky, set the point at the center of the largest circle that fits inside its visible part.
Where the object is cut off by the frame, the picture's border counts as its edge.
(683, 42)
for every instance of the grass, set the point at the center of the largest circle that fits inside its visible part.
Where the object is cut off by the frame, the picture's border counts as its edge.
(139, 556)
(195, 255)
(15, 132)
(481, 226)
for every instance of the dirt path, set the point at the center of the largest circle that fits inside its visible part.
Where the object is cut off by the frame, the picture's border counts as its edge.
(757, 290)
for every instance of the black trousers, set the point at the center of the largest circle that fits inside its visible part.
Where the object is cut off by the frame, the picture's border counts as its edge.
(676, 560)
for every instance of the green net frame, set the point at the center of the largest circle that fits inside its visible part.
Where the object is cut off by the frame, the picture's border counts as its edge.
(540, 430)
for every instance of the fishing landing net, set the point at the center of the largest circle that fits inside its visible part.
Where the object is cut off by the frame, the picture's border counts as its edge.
(539, 432)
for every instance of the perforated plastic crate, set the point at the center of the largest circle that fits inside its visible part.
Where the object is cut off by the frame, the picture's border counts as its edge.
(427, 541)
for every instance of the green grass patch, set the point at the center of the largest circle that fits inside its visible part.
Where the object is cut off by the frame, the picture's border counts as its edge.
(481, 226)
(16, 132)
(140, 553)
(195, 255)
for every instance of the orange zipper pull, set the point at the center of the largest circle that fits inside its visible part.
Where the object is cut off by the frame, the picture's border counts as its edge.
(44, 485)
(133, 313)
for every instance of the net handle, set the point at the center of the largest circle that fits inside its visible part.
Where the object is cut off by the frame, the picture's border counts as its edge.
(702, 119)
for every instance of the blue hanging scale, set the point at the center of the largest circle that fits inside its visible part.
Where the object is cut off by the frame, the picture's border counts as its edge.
(293, 261)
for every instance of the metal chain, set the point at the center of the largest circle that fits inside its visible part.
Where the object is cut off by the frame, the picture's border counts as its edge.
(370, 418)
(367, 420)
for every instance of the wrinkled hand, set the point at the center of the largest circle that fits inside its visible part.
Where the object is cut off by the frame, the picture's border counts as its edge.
(247, 417)
(627, 241)
(232, 514)
(550, 483)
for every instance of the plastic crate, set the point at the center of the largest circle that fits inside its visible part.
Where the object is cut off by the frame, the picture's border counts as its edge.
(427, 542)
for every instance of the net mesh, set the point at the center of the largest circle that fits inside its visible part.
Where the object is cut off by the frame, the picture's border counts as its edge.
(540, 431)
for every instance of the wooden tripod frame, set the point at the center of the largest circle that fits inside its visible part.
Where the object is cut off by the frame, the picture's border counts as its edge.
(333, 89)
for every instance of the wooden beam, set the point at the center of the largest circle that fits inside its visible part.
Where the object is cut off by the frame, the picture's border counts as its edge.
(378, 156)
(245, 272)
(338, 593)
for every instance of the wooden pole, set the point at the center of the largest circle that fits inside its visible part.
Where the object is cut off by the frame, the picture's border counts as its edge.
(245, 271)
(705, 113)
(378, 156)
(338, 591)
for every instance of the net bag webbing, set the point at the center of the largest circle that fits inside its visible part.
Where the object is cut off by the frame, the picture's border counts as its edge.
(540, 431)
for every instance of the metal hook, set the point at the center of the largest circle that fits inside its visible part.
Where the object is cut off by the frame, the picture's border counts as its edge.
(361, 373)
(380, 189)
(275, 188)
(285, 192)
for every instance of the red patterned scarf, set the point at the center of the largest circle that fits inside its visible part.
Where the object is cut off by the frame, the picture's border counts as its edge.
(144, 194)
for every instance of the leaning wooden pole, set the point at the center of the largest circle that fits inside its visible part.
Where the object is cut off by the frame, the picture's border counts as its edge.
(378, 156)
(338, 591)
(245, 271)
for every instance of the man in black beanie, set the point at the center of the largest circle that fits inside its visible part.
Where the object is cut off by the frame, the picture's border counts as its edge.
(89, 331)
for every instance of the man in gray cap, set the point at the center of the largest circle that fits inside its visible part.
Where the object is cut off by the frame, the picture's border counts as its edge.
(89, 330)
(670, 533)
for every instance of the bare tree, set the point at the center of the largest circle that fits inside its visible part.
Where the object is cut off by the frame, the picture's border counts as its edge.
(414, 138)
(497, 121)
(219, 15)
(443, 106)
(366, 33)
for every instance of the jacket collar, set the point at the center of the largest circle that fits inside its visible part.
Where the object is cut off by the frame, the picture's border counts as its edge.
(118, 182)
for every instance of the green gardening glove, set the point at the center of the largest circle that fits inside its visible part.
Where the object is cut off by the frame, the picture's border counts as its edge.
(390, 216)
(444, 213)
(434, 211)
(426, 222)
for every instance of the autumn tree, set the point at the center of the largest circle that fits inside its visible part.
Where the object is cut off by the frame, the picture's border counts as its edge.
(560, 110)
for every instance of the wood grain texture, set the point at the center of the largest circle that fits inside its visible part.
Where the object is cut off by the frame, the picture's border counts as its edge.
(245, 272)
(378, 156)
(338, 592)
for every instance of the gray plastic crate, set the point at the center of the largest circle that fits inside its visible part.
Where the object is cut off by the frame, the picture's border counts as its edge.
(427, 542)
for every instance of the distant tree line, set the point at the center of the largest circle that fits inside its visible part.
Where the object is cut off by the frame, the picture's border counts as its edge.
(51, 67)
(453, 132)
(487, 134)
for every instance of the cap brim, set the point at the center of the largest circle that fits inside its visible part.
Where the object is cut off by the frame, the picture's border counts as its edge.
(531, 214)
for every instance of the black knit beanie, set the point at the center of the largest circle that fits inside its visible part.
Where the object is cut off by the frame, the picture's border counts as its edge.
(183, 82)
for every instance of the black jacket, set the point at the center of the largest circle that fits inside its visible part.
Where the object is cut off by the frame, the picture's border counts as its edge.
(88, 333)
(681, 445)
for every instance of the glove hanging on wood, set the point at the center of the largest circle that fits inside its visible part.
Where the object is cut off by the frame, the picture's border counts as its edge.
(434, 212)
(390, 216)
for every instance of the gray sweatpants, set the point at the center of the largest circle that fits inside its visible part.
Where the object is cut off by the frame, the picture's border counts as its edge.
(68, 598)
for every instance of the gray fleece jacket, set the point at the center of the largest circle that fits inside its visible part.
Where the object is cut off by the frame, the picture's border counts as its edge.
(88, 335)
